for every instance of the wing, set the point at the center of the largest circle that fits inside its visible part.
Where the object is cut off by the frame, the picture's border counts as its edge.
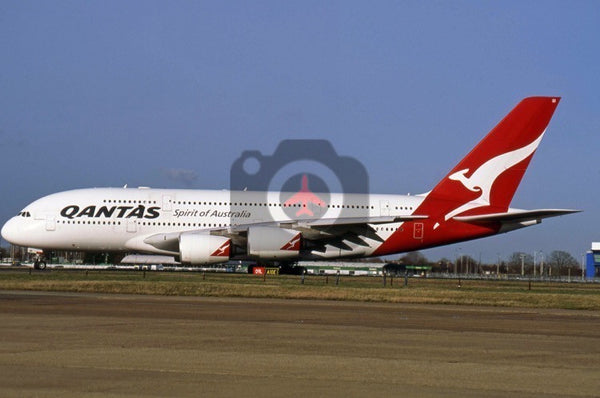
(330, 230)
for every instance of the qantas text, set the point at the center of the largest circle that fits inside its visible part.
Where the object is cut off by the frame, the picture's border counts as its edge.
(139, 211)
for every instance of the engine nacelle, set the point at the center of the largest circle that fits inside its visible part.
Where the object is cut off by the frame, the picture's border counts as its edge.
(272, 243)
(198, 249)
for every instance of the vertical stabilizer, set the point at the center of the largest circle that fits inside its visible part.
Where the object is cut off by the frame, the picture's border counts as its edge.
(486, 179)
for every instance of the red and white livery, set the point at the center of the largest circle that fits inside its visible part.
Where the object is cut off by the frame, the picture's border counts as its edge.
(204, 227)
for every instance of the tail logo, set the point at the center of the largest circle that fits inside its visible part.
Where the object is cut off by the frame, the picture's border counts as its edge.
(485, 176)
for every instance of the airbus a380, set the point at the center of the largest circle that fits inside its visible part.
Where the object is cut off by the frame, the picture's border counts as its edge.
(207, 227)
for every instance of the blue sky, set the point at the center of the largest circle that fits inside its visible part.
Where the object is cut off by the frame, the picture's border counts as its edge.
(168, 94)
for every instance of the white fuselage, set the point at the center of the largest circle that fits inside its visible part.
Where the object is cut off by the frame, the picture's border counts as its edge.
(119, 219)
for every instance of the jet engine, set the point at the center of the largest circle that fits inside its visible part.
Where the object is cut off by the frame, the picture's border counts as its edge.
(272, 243)
(198, 249)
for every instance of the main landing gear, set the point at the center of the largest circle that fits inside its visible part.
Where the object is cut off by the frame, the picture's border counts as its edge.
(39, 263)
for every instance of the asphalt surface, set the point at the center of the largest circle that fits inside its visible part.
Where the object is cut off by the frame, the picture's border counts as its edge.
(97, 345)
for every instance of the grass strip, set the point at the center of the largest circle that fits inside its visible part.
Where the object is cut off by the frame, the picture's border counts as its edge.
(366, 289)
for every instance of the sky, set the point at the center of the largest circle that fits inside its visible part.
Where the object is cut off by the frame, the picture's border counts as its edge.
(169, 94)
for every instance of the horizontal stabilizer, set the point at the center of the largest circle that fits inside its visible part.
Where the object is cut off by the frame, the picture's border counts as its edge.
(515, 216)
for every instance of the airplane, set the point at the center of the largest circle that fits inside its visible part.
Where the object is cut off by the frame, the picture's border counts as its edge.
(200, 227)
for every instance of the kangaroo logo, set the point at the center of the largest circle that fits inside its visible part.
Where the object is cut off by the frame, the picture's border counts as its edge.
(485, 176)
(223, 250)
(293, 244)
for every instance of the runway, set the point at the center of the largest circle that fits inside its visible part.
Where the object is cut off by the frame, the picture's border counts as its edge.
(100, 345)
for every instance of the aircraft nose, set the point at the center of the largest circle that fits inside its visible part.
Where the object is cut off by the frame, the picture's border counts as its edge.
(9, 231)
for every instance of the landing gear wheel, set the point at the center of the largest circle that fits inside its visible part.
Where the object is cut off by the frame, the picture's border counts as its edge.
(39, 265)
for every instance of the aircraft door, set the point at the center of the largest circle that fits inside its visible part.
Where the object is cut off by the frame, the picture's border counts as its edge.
(418, 231)
(131, 226)
(384, 205)
(50, 223)
(317, 211)
(167, 203)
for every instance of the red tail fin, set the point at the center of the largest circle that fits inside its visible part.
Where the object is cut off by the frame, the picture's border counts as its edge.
(485, 181)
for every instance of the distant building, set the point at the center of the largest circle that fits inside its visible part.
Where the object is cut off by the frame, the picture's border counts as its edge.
(342, 268)
(592, 268)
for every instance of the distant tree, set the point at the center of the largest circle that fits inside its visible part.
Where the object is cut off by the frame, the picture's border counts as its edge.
(514, 262)
(3, 252)
(561, 261)
(413, 258)
(468, 264)
(361, 260)
(488, 268)
(444, 265)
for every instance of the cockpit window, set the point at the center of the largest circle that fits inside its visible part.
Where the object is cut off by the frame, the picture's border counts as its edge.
(24, 214)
